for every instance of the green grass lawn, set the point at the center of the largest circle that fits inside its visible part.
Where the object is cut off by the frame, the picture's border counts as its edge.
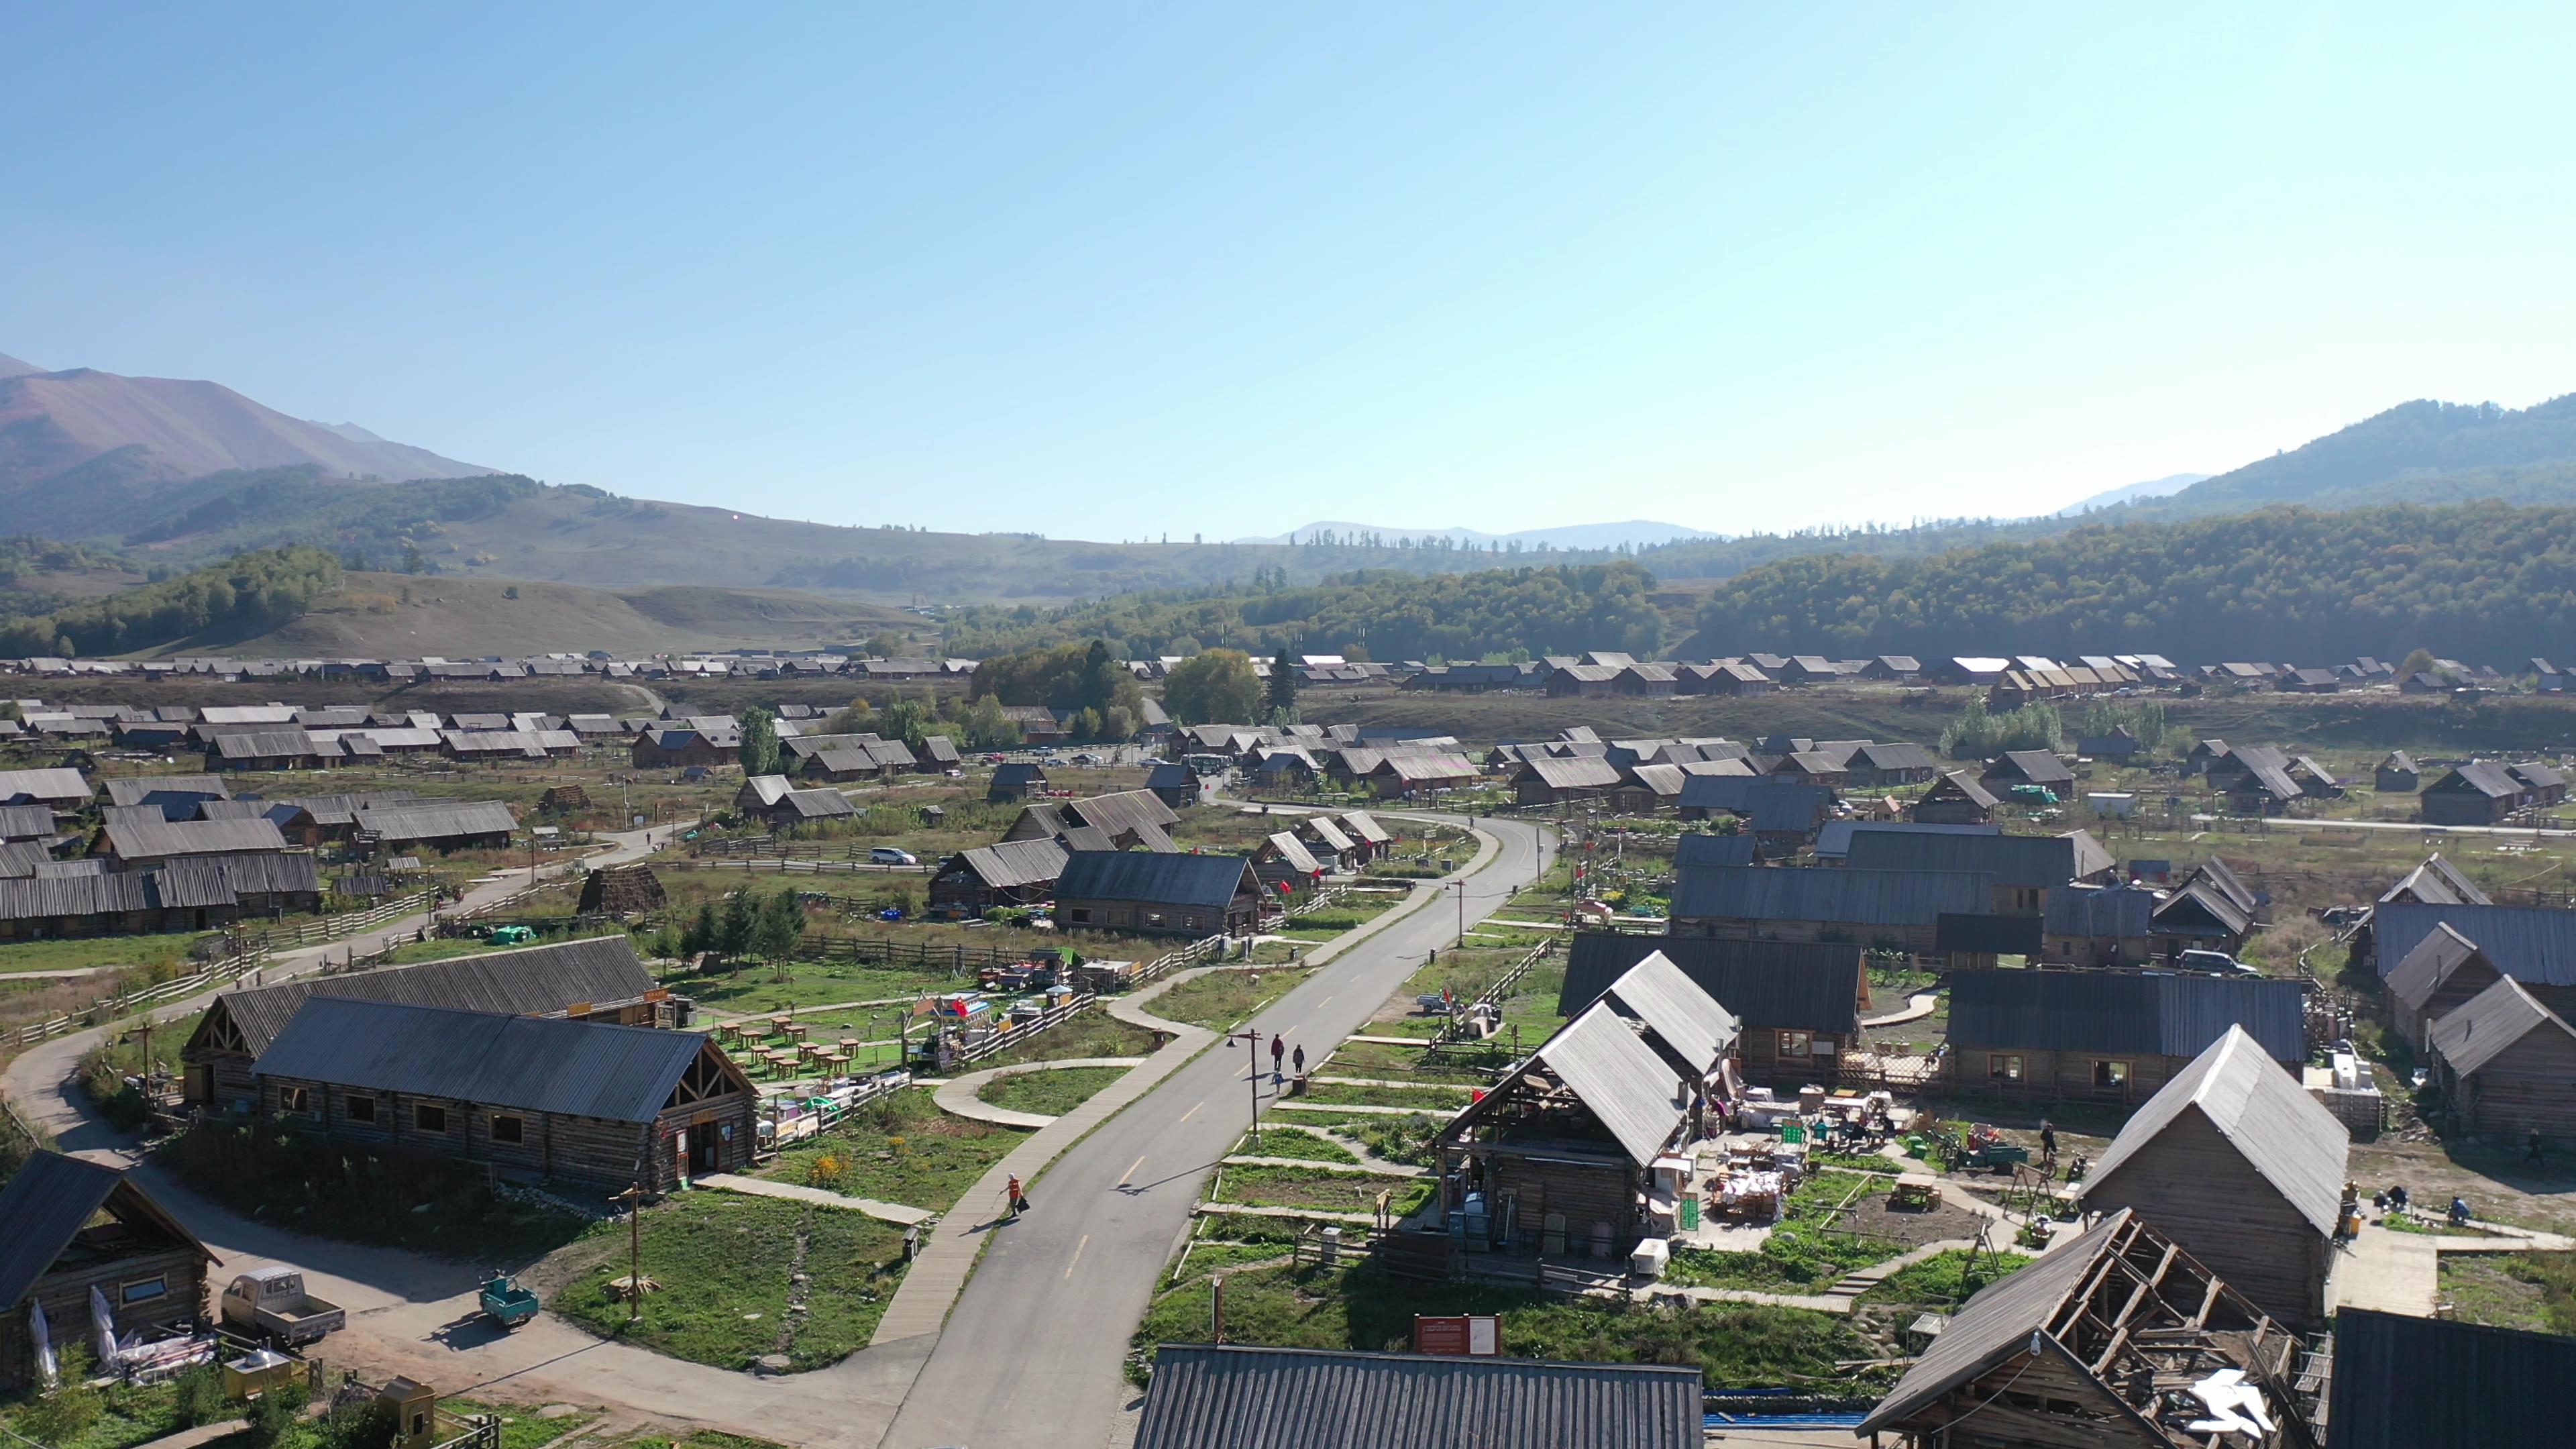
(1397, 1139)
(898, 1148)
(1289, 1142)
(1341, 1192)
(2534, 1291)
(166, 951)
(1222, 1000)
(1052, 1093)
(1463, 1066)
(1094, 1033)
(724, 1263)
(119, 1417)
(521, 1428)
(753, 989)
(1942, 1279)
(1431, 1097)
(1361, 1308)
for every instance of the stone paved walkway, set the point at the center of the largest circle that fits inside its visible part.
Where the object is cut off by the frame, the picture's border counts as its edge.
(1918, 1006)
(2392, 1272)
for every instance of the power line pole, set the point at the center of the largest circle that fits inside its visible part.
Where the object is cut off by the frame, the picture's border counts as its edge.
(1252, 1045)
(633, 1197)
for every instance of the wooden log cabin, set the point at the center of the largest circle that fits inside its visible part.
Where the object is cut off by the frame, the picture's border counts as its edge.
(1158, 894)
(1562, 1148)
(2086, 1349)
(68, 1226)
(2237, 1163)
(582, 1100)
(1884, 909)
(2506, 1063)
(2108, 1036)
(1798, 1003)
(599, 979)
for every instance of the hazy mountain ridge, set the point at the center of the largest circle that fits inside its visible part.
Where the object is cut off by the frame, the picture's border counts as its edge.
(1636, 533)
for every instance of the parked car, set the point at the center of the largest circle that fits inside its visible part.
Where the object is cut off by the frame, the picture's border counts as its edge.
(2215, 963)
(271, 1303)
(1086, 758)
(892, 855)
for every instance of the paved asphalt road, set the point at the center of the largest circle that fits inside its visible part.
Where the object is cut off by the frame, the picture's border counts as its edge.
(1031, 1354)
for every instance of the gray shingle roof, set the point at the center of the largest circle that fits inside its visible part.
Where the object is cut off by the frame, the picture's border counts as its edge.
(2124, 1013)
(1693, 1024)
(1015, 862)
(2075, 910)
(438, 819)
(145, 834)
(1153, 877)
(2485, 1025)
(1230, 1397)
(1848, 896)
(537, 1064)
(600, 970)
(1618, 1078)
(2528, 943)
(44, 787)
(2013, 860)
(2285, 1135)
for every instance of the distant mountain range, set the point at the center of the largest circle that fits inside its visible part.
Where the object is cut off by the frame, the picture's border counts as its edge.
(2169, 484)
(81, 425)
(1635, 533)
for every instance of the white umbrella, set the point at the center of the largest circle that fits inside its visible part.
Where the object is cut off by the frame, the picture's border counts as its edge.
(102, 1324)
(44, 1342)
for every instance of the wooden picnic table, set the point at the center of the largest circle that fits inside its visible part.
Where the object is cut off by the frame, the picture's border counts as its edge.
(850, 1045)
(795, 1031)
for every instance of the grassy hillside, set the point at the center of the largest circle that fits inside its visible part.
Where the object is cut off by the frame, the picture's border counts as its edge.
(2478, 581)
(395, 615)
(2397, 457)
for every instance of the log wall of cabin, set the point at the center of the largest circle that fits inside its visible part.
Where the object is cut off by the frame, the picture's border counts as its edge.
(2199, 1191)
(2466, 980)
(1585, 1192)
(64, 1295)
(2064, 1075)
(554, 1144)
(2529, 1086)
(1761, 1060)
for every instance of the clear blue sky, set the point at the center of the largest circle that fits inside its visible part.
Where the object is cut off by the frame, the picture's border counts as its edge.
(1112, 271)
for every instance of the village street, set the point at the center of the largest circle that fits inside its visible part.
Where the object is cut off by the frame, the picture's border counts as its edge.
(1054, 1296)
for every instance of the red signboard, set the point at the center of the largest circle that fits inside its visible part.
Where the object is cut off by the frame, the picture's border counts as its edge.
(1458, 1335)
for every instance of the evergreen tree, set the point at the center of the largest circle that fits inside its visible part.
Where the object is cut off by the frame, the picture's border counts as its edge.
(741, 919)
(1282, 692)
(780, 927)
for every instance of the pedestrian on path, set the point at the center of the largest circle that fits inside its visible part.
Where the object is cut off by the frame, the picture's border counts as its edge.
(2530, 1146)
(1297, 1061)
(1019, 1199)
(1279, 1049)
(2047, 1142)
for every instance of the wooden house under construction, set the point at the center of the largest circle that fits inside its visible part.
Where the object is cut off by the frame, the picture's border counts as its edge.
(1562, 1149)
(2118, 1340)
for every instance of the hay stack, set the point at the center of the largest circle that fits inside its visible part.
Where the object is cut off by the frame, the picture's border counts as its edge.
(622, 890)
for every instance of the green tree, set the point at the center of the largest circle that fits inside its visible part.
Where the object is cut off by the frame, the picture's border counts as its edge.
(412, 562)
(2418, 661)
(987, 728)
(704, 934)
(1216, 686)
(1282, 694)
(511, 592)
(908, 720)
(851, 718)
(741, 920)
(781, 925)
(759, 751)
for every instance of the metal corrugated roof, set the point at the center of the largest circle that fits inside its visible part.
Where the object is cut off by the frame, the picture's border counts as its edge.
(43, 787)
(1327, 832)
(2013, 860)
(1231, 1397)
(1619, 1079)
(2402, 1382)
(1844, 896)
(2528, 943)
(46, 1203)
(151, 789)
(1292, 852)
(598, 970)
(2075, 910)
(538, 1064)
(1152, 877)
(2415, 979)
(2435, 882)
(1794, 985)
(1365, 826)
(1700, 848)
(1834, 837)
(1689, 1021)
(2285, 1135)
(2124, 1012)
(2486, 1024)
(43, 897)
(1016, 862)
(437, 819)
(1593, 773)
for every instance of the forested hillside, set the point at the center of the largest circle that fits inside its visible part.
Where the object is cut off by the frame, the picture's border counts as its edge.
(2417, 452)
(240, 596)
(1366, 614)
(2481, 581)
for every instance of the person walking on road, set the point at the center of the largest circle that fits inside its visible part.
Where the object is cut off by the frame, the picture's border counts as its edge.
(1297, 1062)
(1019, 1199)
(1278, 1049)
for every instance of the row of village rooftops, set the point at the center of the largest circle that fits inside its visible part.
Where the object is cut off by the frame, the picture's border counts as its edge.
(1593, 672)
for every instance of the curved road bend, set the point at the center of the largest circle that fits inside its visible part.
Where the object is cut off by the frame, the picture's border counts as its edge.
(1031, 1354)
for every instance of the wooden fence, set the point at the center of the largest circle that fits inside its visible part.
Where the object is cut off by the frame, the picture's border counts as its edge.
(331, 927)
(109, 1008)
(1493, 995)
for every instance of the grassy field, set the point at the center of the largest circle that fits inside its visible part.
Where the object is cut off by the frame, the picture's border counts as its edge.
(1341, 1192)
(1290, 1142)
(1223, 1000)
(1340, 1094)
(727, 1265)
(521, 1428)
(1943, 1278)
(755, 989)
(161, 952)
(1360, 1308)
(2534, 1291)
(1462, 1066)
(1397, 1139)
(899, 1148)
(1050, 1093)
(1094, 1033)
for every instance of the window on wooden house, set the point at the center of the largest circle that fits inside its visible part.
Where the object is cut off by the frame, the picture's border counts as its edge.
(295, 1099)
(428, 1118)
(359, 1109)
(143, 1290)
(2002, 1068)
(2110, 1074)
(1081, 915)
(1154, 920)
(1797, 1044)
(509, 1129)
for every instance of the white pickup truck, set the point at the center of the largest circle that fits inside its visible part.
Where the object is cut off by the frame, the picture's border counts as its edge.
(271, 1303)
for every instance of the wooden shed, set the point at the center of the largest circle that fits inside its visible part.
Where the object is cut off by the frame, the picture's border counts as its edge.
(1007, 873)
(68, 1226)
(2506, 1062)
(2237, 1163)
(1957, 798)
(2110, 1036)
(1797, 1003)
(585, 1100)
